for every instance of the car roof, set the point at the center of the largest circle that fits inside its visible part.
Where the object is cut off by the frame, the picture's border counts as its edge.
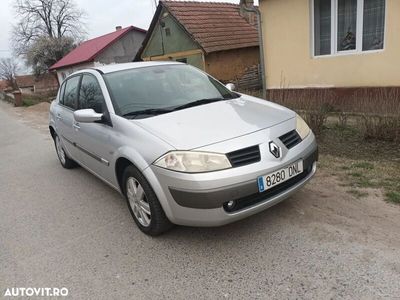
(133, 65)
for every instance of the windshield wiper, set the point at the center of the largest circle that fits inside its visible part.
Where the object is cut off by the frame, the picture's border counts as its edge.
(147, 112)
(199, 102)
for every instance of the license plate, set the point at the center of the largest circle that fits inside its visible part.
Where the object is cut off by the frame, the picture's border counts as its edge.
(272, 179)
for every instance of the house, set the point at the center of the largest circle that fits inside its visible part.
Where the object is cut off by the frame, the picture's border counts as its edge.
(116, 47)
(4, 85)
(45, 84)
(340, 45)
(26, 83)
(29, 84)
(219, 38)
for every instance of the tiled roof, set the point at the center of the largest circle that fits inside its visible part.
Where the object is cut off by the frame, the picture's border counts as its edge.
(25, 81)
(88, 50)
(215, 26)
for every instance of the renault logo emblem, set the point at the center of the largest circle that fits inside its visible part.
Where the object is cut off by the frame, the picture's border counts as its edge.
(274, 149)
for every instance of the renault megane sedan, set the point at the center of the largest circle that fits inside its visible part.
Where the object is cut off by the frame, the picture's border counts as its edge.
(179, 145)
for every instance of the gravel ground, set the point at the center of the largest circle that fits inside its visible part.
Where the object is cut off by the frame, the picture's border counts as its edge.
(65, 228)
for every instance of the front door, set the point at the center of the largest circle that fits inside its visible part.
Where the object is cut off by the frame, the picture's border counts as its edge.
(93, 140)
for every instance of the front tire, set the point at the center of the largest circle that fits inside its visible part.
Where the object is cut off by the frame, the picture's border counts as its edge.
(143, 203)
(65, 161)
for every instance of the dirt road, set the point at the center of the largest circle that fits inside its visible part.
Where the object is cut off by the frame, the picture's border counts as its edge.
(65, 228)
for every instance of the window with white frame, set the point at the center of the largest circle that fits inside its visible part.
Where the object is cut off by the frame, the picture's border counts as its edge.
(348, 26)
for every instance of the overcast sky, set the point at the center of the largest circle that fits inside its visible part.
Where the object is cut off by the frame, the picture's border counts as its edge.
(102, 17)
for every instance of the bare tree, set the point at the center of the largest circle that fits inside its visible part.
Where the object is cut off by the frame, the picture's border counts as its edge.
(8, 70)
(46, 31)
(53, 19)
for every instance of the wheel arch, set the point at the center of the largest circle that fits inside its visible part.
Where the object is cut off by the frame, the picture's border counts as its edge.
(120, 165)
(52, 132)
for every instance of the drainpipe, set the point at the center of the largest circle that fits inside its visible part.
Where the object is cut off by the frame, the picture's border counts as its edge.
(261, 44)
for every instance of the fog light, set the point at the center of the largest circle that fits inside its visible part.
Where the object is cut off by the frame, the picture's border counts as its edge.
(230, 204)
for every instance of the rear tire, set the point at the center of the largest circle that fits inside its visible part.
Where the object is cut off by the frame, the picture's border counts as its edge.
(143, 203)
(65, 161)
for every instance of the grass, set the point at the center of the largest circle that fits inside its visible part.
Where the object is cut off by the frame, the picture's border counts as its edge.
(360, 164)
(363, 165)
(393, 197)
(29, 100)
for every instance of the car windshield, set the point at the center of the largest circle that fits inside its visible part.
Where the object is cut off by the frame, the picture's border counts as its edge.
(160, 89)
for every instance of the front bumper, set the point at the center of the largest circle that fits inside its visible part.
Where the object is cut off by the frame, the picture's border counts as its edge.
(198, 199)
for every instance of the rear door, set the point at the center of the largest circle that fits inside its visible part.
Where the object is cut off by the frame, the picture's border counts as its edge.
(65, 115)
(94, 139)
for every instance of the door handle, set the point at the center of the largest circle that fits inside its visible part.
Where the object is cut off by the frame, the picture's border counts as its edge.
(58, 117)
(76, 126)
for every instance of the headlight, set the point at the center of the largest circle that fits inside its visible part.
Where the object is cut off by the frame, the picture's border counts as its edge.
(193, 162)
(301, 127)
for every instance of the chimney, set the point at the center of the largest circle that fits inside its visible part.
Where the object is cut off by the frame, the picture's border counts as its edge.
(250, 17)
(118, 28)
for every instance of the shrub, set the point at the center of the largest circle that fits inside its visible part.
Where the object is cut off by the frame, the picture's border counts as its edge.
(5, 97)
(385, 128)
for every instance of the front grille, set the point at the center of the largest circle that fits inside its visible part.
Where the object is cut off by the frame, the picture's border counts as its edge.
(290, 139)
(244, 156)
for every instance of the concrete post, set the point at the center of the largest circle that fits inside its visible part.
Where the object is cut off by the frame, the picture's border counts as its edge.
(17, 98)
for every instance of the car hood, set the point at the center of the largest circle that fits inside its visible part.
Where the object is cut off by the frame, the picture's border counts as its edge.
(207, 124)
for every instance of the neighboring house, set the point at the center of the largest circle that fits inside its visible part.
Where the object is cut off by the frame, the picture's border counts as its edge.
(46, 83)
(219, 38)
(337, 44)
(29, 84)
(4, 85)
(26, 83)
(116, 47)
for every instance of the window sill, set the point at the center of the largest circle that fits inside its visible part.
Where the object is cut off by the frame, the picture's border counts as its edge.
(348, 53)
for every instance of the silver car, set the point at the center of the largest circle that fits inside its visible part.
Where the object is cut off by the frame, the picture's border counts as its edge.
(179, 145)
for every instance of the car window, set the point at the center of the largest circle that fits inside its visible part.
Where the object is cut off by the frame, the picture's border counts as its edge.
(90, 94)
(61, 95)
(71, 92)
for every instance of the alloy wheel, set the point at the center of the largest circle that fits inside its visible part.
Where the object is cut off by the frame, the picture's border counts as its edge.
(138, 202)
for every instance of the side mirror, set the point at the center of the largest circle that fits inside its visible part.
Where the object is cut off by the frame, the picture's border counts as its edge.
(87, 116)
(230, 86)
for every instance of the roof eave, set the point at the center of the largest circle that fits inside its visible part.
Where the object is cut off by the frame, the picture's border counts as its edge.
(92, 58)
(153, 23)
(71, 65)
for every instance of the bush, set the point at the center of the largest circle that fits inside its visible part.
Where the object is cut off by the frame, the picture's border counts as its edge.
(386, 128)
(315, 120)
(32, 99)
(377, 109)
(5, 97)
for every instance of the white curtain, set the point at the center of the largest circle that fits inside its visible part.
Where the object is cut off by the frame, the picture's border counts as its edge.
(374, 24)
(322, 27)
(347, 25)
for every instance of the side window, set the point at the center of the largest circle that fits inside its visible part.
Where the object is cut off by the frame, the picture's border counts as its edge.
(90, 94)
(61, 95)
(71, 92)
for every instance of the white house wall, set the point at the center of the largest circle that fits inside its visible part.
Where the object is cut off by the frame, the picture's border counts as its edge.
(124, 50)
